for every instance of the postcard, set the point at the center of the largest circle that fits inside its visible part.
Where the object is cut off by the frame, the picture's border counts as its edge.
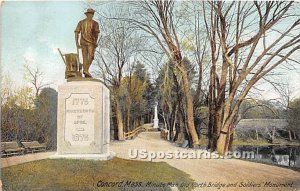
(160, 95)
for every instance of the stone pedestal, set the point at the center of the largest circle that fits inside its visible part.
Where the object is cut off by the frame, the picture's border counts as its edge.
(83, 125)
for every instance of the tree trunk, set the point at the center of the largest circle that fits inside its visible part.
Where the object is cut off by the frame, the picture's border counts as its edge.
(143, 120)
(225, 121)
(256, 133)
(273, 135)
(290, 154)
(223, 140)
(230, 141)
(221, 143)
(210, 130)
(136, 122)
(190, 110)
(295, 137)
(120, 122)
(290, 135)
(128, 126)
(212, 127)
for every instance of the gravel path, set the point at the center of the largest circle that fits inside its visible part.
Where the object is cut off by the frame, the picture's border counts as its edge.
(14, 160)
(248, 175)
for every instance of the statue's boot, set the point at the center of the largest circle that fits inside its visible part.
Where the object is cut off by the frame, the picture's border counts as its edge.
(87, 74)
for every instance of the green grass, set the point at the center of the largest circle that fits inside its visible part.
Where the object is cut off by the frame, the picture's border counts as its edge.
(74, 175)
(259, 142)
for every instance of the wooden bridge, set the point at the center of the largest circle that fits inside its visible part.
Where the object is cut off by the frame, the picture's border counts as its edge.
(146, 127)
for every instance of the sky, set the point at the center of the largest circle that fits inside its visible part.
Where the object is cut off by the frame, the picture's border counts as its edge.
(33, 31)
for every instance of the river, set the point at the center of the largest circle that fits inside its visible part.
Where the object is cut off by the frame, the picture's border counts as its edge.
(288, 156)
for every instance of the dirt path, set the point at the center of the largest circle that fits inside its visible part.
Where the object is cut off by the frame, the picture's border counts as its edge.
(216, 171)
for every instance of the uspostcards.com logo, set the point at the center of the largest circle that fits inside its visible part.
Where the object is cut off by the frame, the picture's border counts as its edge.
(187, 154)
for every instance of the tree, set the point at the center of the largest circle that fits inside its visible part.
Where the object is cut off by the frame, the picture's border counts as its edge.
(7, 88)
(243, 54)
(157, 19)
(35, 77)
(145, 109)
(119, 44)
(168, 98)
(171, 99)
(132, 91)
(293, 118)
(46, 114)
(29, 114)
(17, 115)
(285, 92)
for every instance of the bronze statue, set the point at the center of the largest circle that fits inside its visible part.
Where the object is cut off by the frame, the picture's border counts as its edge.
(73, 66)
(89, 32)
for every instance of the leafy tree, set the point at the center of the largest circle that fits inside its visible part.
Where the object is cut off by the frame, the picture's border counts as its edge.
(150, 93)
(46, 113)
(293, 118)
(132, 90)
(171, 99)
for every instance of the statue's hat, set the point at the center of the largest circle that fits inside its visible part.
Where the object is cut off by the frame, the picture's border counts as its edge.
(90, 11)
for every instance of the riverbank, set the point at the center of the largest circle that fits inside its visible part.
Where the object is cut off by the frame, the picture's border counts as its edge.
(254, 142)
(263, 142)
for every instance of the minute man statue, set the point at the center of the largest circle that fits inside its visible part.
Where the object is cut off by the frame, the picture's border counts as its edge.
(89, 32)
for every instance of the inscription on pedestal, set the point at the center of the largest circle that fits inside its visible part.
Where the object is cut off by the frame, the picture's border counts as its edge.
(79, 120)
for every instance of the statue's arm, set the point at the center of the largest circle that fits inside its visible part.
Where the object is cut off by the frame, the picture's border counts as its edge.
(97, 32)
(77, 31)
(76, 38)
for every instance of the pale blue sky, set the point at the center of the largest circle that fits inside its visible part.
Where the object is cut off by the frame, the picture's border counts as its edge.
(34, 31)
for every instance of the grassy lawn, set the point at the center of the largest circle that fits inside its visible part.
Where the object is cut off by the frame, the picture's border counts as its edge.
(84, 175)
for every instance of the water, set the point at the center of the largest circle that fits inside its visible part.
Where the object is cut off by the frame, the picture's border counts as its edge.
(288, 156)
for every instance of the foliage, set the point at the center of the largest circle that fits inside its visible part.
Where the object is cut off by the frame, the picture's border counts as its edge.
(46, 113)
(293, 116)
(26, 118)
(131, 92)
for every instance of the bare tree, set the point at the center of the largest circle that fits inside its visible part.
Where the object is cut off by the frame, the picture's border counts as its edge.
(158, 19)
(36, 78)
(119, 45)
(285, 92)
(246, 44)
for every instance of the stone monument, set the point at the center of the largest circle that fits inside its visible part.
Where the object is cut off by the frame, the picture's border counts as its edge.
(155, 120)
(83, 122)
